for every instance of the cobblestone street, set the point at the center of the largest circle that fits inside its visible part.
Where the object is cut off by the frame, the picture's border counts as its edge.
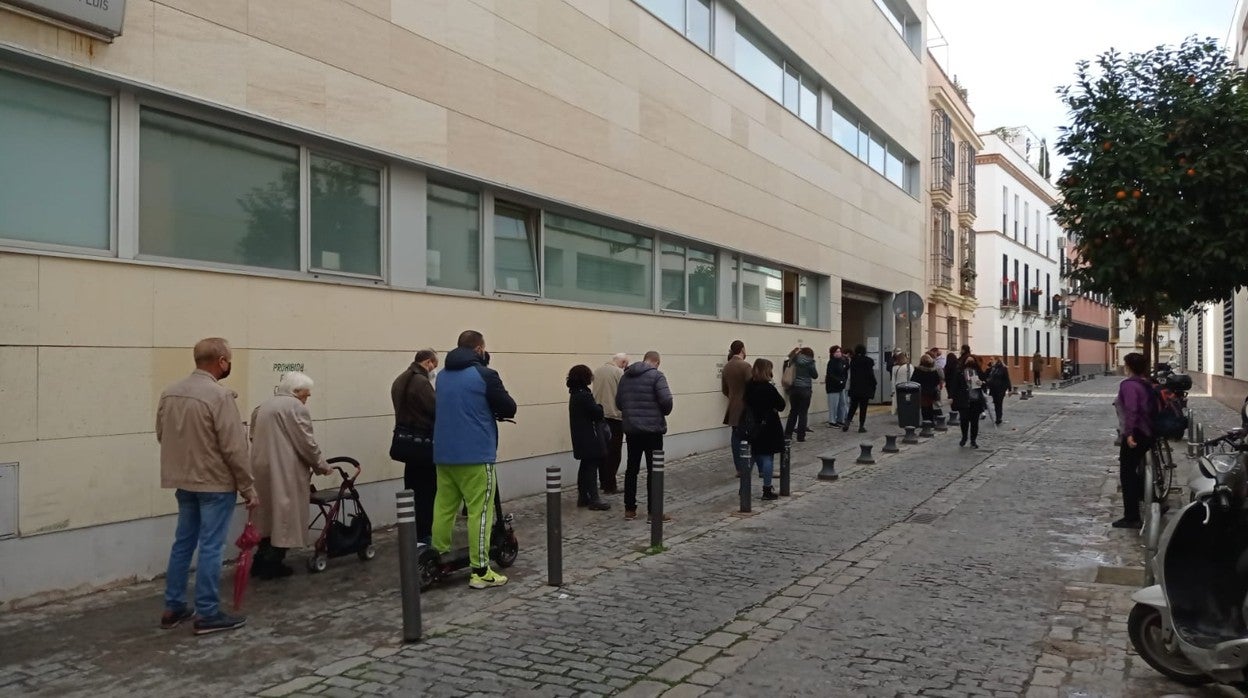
(940, 571)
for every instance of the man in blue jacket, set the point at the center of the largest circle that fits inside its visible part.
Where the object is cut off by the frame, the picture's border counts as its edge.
(470, 400)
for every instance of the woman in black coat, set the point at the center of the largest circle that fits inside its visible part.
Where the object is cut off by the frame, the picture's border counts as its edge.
(764, 403)
(999, 386)
(862, 386)
(929, 380)
(584, 420)
(963, 383)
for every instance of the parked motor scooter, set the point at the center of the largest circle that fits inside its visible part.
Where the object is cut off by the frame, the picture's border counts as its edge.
(1200, 483)
(1191, 625)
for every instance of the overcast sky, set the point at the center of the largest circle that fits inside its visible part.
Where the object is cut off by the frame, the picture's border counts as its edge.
(1012, 54)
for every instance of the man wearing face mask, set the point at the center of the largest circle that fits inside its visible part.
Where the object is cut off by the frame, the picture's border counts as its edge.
(470, 400)
(204, 459)
(415, 407)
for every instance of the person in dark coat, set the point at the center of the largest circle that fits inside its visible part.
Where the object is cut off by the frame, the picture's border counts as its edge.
(998, 387)
(862, 385)
(929, 380)
(585, 416)
(837, 378)
(765, 403)
(969, 378)
(804, 375)
(645, 400)
(415, 407)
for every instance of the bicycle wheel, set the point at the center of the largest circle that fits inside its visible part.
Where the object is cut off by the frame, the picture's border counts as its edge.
(1163, 472)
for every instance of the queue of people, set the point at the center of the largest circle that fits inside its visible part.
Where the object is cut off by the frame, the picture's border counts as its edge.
(446, 436)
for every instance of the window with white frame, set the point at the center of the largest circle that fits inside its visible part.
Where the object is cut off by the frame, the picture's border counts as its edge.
(52, 135)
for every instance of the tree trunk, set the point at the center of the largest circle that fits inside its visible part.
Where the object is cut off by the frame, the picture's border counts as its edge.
(1150, 327)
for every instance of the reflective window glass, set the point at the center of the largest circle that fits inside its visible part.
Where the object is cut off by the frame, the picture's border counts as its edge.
(701, 268)
(216, 195)
(346, 216)
(672, 277)
(55, 163)
(453, 239)
(602, 265)
(699, 23)
(762, 294)
(515, 248)
(758, 65)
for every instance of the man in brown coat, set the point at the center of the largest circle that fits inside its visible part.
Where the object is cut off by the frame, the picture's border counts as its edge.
(1037, 366)
(733, 379)
(204, 458)
(415, 407)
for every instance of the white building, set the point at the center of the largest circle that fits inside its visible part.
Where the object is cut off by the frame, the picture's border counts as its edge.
(1018, 247)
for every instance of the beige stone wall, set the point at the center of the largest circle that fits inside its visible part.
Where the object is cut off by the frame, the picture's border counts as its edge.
(590, 102)
(94, 342)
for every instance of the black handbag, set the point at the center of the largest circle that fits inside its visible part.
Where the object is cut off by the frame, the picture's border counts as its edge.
(407, 446)
(604, 435)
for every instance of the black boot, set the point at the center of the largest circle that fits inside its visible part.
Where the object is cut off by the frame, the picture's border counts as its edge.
(770, 493)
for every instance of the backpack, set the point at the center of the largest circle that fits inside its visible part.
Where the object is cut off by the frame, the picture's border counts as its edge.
(1169, 422)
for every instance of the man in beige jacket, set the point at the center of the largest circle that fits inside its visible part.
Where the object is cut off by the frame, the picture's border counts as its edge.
(204, 458)
(606, 382)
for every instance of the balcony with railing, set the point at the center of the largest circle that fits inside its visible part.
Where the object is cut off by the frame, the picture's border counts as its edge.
(942, 271)
(967, 269)
(1009, 294)
(966, 184)
(942, 158)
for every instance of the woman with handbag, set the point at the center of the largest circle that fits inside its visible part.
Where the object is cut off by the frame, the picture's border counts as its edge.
(590, 436)
(766, 437)
(967, 389)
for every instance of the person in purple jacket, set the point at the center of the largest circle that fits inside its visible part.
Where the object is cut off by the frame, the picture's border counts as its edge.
(1136, 407)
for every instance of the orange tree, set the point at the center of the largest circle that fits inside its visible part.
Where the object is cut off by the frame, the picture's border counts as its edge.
(1155, 192)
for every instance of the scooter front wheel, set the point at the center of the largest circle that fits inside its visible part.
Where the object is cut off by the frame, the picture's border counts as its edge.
(1145, 629)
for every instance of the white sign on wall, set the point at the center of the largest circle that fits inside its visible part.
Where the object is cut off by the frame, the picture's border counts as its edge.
(100, 18)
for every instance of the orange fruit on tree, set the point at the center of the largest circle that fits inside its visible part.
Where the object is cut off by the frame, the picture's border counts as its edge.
(1120, 195)
(1107, 145)
(1191, 172)
(1136, 194)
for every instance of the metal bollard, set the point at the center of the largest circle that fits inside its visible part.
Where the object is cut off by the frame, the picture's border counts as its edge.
(1193, 450)
(890, 443)
(1191, 426)
(910, 437)
(865, 456)
(953, 418)
(1055, 385)
(1023, 395)
(656, 501)
(926, 431)
(1200, 433)
(743, 474)
(940, 423)
(828, 472)
(409, 563)
(786, 462)
(554, 526)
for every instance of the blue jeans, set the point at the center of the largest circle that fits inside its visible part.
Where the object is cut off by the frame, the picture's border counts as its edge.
(738, 457)
(765, 462)
(203, 520)
(838, 407)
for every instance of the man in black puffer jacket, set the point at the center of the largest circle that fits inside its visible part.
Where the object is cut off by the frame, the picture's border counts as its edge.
(645, 401)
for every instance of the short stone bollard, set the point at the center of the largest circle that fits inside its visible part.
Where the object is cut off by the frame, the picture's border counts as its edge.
(1024, 395)
(910, 437)
(865, 457)
(1055, 385)
(890, 443)
(940, 423)
(953, 419)
(828, 472)
(926, 431)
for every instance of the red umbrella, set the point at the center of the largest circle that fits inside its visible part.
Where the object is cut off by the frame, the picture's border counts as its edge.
(246, 542)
